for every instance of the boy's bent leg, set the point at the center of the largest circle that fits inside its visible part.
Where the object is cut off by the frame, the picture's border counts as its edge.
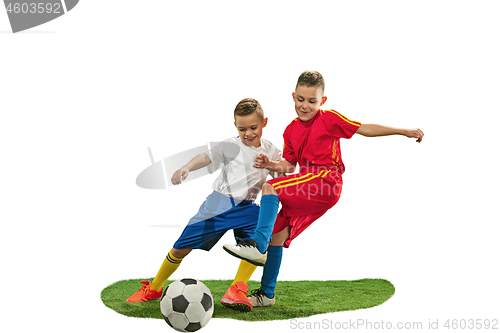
(254, 250)
(269, 205)
(154, 290)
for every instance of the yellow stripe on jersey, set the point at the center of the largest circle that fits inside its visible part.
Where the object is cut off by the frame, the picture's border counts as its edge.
(335, 154)
(291, 179)
(352, 122)
(300, 181)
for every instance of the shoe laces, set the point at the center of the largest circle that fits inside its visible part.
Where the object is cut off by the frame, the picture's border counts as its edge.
(145, 288)
(259, 293)
(246, 243)
(243, 288)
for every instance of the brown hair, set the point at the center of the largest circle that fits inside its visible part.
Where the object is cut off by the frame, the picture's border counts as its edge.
(248, 106)
(311, 79)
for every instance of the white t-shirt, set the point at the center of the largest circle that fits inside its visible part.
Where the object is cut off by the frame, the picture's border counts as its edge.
(239, 177)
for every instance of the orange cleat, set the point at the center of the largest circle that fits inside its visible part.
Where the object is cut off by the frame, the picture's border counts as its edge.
(145, 293)
(236, 298)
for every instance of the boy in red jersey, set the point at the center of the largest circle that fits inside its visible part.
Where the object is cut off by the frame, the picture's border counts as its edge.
(312, 140)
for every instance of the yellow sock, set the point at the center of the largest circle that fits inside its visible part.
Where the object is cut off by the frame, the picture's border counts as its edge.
(169, 266)
(244, 272)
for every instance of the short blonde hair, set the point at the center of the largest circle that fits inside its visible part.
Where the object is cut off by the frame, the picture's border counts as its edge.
(311, 79)
(248, 106)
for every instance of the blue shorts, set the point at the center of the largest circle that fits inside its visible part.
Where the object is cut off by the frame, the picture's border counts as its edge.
(216, 215)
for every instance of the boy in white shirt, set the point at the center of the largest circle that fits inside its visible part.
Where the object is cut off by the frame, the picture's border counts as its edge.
(230, 206)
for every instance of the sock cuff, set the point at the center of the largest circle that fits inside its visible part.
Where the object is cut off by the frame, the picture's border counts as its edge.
(272, 249)
(172, 259)
(270, 198)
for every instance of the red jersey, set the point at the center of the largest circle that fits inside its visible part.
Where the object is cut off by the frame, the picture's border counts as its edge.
(316, 142)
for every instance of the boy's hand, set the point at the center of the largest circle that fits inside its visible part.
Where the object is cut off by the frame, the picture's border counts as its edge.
(261, 161)
(415, 133)
(179, 176)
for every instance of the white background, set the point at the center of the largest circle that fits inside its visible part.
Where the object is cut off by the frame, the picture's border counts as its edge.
(83, 96)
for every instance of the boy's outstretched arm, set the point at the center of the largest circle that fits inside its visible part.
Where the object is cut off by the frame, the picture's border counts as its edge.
(198, 162)
(371, 130)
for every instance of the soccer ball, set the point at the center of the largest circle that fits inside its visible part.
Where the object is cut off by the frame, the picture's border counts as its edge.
(187, 305)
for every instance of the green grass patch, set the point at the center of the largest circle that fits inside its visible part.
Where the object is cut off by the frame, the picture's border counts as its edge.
(294, 299)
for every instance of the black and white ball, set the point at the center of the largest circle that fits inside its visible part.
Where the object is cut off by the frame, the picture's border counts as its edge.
(187, 305)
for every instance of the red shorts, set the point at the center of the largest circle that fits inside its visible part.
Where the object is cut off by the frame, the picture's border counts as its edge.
(304, 197)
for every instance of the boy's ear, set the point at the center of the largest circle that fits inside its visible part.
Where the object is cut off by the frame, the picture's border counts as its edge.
(264, 122)
(323, 100)
(235, 124)
(293, 95)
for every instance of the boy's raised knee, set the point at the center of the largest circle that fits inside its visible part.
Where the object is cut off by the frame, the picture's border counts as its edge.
(268, 189)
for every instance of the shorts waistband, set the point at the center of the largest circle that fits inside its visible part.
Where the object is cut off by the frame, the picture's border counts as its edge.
(241, 203)
(235, 202)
